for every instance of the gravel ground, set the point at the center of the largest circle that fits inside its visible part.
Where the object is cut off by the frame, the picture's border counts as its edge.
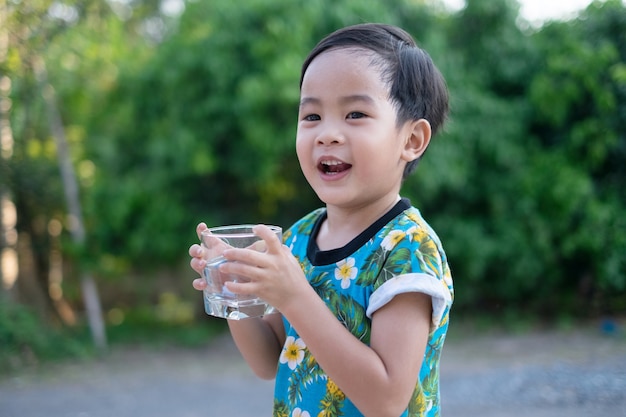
(540, 374)
(549, 374)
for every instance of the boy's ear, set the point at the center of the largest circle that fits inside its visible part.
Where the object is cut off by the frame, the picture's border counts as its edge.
(418, 138)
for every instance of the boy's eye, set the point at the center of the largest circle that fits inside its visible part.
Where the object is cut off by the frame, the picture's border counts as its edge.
(355, 115)
(311, 117)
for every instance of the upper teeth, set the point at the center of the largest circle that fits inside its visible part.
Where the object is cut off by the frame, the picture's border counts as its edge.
(333, 162)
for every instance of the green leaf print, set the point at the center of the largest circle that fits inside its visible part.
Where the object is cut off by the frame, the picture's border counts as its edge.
(303, 226)
(287, 234)
(401, 222)
(352, 315)
(322, 285)
(280, 409)
(306, 224)
(332, 402)
(346, 309)
(430, 387)
(307, 372)
(417, 405)
(428, 255)
(398, 262)
(429, 248)
(433, 350)
(369, 271)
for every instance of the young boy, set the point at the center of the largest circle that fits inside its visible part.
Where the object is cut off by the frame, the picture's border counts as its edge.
(362, 285)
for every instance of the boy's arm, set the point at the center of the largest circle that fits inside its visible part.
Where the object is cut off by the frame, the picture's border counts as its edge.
(260, 342)
(379, 379)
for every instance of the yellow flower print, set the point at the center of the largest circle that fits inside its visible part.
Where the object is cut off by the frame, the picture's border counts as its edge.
(297, 412)
(414, 217)
(345, 272)
(417, 234)
(391, 240)
(293, 352)
(332, 403)
(447, 279)
(418, 405)
(333, 389)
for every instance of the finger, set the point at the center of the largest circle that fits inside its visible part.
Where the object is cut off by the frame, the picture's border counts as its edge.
(269, 236)
(199, 284)
(241, 287)
(201, 227)
(195, 251)
(197, 264)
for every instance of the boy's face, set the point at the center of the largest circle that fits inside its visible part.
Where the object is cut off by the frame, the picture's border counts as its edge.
(349, 147)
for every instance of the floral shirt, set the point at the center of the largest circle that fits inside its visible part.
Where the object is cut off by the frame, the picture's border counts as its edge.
(397, 254)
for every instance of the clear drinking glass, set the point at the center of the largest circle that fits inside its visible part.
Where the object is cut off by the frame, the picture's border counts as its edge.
(218, 301)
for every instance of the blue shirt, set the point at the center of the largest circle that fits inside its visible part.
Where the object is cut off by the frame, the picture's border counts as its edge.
(399, 253)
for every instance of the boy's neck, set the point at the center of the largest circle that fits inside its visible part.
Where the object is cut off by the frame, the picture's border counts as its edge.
(342, 225)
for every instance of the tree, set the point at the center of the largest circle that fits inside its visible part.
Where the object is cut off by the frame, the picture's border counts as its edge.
(530, 161)
(50, 119)
(27, 46)
(172, 121)
(8, 252)
(580, 101)
(207, 126)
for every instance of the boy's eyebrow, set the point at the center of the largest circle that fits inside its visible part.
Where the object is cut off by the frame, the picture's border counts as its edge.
(343, 100)
(308, 100)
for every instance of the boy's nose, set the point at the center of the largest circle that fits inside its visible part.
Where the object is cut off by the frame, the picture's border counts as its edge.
(330, 135)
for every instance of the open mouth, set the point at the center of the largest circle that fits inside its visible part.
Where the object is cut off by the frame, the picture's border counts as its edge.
(333, 166)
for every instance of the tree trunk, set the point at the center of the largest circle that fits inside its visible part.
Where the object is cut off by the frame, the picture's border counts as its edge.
(8, 234)
(70, 185)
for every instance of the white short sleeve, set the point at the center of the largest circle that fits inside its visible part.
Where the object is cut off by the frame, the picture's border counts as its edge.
(417, 282)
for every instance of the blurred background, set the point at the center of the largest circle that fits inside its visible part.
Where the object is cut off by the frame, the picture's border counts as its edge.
(124, 123)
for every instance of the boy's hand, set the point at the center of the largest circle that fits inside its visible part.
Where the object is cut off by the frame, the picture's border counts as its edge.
(275, 275)
(197, 263)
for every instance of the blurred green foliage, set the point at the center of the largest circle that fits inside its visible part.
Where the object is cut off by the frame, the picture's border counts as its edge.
(25, 340)
(175, 120)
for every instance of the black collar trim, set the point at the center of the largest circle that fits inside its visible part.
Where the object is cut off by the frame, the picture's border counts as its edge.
(318, 257)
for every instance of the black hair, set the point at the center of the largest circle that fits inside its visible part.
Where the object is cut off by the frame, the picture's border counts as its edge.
(416, 87)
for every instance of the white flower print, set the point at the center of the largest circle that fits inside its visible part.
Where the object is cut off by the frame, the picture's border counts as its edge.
(345, 272)
(293, 352)
(391, 240)
(297, 412)
(413, 233)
